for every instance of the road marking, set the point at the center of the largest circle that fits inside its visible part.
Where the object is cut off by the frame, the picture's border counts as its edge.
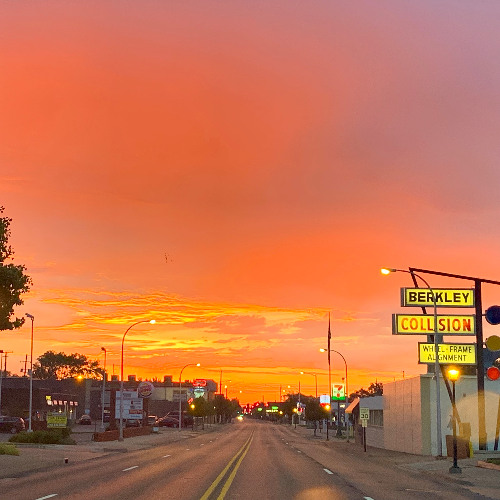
(48, 496)
(219, 478)
(166, 456)
(130, 468)
(329, 472)
(230, 479)
(367, 498)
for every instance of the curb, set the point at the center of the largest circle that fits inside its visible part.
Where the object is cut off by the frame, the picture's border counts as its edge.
(487, 465)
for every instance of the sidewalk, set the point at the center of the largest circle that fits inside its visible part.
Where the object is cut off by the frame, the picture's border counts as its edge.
(33, 457)
(477, 479)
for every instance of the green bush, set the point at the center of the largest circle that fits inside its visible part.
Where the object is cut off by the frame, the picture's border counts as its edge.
(51, 436)
(8, 449)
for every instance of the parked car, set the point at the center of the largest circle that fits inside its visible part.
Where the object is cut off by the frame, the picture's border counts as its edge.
(133, 423)
(85, 420)
(187, 420)
(167, 421)
(12, 424)
(152, 419)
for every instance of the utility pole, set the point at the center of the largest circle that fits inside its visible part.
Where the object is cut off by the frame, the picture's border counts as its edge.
(25, 371)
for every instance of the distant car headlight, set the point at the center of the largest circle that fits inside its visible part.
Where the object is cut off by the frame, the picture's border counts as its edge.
(240, 417)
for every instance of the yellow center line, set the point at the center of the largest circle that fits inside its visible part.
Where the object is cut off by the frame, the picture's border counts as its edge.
(229, 481)
(223, 473)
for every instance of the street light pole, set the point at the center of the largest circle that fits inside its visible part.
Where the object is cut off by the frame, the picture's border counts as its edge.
(30, 426)
(103, 388)
(453, 375)
(437, 367)
(152, 321)
(180, 392)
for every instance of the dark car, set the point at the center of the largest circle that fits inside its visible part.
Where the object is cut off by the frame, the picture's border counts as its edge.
(167, 421)
(133, 423)
(12, 424)
(85, 420)
(187, 420)
(152, 419)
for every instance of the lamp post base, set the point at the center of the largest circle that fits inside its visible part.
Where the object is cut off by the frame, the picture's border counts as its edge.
(455, 469)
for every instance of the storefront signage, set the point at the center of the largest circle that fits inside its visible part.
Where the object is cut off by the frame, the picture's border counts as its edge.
(445, 297)
(452, 324)
(449, 354)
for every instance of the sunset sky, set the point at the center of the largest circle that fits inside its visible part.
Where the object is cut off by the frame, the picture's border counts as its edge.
(237, 170)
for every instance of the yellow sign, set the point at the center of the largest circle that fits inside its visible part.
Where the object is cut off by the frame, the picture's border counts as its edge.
(57, 420)
(453, 324)
(445, 297)
(449, 354)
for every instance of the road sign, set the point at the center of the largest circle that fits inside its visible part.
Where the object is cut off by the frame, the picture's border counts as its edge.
(364, 413)
(445, 297)
(56, 420)
(449, 354)
(415, 324)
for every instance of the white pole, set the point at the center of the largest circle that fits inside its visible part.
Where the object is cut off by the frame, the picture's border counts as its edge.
(30, 427)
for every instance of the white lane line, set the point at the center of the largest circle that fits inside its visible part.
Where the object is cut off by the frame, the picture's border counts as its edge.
(130, 468)
(48, 496)
(367, 498)
(166, 456)
(328, 471)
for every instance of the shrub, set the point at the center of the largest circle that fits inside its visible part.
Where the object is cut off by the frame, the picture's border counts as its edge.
(52, 436)
(8, 449)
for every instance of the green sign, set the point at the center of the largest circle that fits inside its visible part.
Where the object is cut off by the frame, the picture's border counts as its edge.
(55, 420)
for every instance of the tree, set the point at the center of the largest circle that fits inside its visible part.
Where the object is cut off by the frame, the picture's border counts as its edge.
(57, 365)
(13, 280)
(374, 389)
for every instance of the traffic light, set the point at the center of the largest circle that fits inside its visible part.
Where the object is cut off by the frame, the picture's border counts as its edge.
(491, 357)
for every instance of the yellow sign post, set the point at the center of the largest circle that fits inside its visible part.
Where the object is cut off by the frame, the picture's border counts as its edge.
(449, 354)
(445, 297)
(451, 324)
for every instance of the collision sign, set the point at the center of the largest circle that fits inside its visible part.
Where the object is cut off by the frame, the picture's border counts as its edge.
(452, 324)
(444, 297)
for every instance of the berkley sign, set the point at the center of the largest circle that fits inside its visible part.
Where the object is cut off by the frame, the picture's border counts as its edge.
(415, 324)
(445, 297)
(449, 354)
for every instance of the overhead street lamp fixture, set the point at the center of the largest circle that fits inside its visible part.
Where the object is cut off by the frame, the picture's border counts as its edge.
(30, 426)
(180, 392)
(152, 321)
(437, 368)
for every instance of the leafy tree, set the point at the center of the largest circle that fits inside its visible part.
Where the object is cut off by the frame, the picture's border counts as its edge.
(374, 389)
(13, 280)
(57, 365)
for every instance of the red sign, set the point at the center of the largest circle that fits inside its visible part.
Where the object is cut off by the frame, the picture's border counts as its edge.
(199, 382)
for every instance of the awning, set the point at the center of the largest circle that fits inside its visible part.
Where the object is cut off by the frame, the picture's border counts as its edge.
(353, 405)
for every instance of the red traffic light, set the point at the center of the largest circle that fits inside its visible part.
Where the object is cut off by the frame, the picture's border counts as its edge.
(493, 373)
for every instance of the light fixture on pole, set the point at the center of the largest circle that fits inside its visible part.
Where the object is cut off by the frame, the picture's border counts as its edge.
(30, 426)
(316, 380)
(437, 368)
(152, 321)
(453, 375)
(346, 386)
(103, 388)
(180, 391)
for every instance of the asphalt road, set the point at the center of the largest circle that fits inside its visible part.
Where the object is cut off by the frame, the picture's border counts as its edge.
(248, 460)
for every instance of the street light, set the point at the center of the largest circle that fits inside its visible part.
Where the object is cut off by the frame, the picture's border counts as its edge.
(437, 368)
(152, 321)
(30, 427)
(346, 388)
(315, 377)
(103, 388)
(453, 375)
(180, 392)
